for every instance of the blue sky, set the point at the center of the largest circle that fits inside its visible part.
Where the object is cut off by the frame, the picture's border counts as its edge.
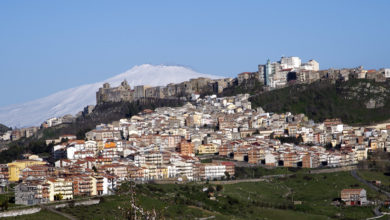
(48, 46)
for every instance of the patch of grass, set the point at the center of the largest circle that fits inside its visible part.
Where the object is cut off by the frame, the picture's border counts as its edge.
(374, 175)
(318, 191)
(257, 172)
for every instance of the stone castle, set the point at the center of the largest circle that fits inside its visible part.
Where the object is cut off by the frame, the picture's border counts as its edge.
(185, 89)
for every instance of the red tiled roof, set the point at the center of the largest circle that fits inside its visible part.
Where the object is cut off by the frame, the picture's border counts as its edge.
(351, 190)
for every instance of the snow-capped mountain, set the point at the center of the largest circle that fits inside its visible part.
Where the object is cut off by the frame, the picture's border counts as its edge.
(73, 100)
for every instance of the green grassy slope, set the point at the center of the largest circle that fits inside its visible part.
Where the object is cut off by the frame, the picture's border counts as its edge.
(249, 200)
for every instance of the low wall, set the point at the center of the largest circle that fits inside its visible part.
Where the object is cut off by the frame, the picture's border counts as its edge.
(88, 202)
(85, 202)
(19, 212)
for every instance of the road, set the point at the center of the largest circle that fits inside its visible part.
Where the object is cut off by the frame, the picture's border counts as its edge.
(372, 186)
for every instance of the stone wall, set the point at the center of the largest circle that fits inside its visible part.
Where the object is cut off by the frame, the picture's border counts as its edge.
(19, 212)
(29, 211)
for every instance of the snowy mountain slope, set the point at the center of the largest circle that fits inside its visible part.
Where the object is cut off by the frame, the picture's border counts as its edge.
(73, 100)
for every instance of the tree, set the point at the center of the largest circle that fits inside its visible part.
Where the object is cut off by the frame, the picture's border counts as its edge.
(58, 196)
(227, 174)
(4, 205)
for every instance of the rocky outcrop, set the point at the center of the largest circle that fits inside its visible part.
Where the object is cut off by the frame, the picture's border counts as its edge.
(373, 95)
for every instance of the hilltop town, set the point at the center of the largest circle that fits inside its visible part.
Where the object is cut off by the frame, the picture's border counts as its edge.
(272, 75)
(211, 137)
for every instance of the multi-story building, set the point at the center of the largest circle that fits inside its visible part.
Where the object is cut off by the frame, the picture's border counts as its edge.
(118, 170)
(183, 169)
(208, 149)
(15, 168)
(310, 161)
(211, 171)
(229, 167)
(186, 148)
(60, 188)
(101, 184)
(254, 156)
(84, 185)
(32, 193)
(290, 160)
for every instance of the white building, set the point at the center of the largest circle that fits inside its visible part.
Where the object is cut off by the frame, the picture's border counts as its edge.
(91, 146)
(72, 148)
(70, 152)
(290, 62)
(387, 72)
(7, 136)
(270, 159)
(53, 121)
(334, 160)
(102, 185)
(184, 169)
(311, 65)
(212, 171)
(83, 154)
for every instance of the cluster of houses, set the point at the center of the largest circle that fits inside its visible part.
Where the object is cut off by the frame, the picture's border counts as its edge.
(16, 134)
(169, 143)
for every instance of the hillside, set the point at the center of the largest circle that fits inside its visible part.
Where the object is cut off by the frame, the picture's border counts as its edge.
(355, 102)
(3, 128)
